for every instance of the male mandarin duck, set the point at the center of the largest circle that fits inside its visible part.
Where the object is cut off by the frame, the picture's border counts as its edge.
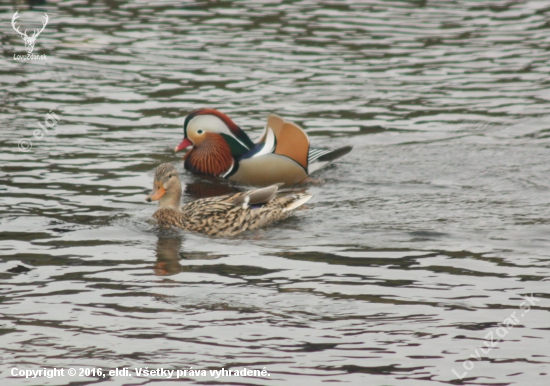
(226, 215)
(222, 149)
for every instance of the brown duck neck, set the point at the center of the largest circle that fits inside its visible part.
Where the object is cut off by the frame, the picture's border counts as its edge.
(211, 157)
(172, 197)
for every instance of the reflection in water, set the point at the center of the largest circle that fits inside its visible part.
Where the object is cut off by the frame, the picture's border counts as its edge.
(168, 255)
(420, 242)
(203, 189)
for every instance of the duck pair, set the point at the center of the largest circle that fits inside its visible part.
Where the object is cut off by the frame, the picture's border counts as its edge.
(220, 148)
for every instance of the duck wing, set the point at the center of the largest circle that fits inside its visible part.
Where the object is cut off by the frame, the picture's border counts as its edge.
(205, 208)
(253, 197)
(283, 138)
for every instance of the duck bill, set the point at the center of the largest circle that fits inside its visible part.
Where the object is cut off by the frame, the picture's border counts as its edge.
(184, 144)
(156, 194)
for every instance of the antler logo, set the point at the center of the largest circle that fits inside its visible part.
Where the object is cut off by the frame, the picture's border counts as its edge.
(29, 41)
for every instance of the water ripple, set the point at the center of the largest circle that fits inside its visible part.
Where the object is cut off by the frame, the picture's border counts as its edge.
(421, 241)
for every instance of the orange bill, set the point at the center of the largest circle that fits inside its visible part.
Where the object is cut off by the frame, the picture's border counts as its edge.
(157, 193)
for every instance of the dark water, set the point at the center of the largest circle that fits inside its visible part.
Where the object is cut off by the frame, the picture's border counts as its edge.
(420, 242)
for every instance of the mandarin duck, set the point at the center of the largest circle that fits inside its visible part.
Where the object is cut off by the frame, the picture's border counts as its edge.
(223, 149)
(226, 215)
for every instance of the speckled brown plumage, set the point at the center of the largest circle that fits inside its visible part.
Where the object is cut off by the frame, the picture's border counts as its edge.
(226, 215)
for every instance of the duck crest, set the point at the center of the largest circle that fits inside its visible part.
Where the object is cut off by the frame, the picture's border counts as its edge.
(213, 157)
(235, 130)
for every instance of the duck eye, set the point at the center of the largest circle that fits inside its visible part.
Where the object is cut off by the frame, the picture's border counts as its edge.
(200, 131)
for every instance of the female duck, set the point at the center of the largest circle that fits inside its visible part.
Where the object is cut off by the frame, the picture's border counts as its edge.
(222, 149)
(226, 215)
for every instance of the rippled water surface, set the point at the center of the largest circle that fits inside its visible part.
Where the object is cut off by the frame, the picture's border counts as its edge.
(421, 241)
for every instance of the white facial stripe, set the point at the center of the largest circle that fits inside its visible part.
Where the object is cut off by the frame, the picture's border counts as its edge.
(210, 123)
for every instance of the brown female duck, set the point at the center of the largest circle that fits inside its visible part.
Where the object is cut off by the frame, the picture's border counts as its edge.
(226, 215)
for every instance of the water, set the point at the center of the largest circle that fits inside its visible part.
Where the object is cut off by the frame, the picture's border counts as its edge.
(421, 241)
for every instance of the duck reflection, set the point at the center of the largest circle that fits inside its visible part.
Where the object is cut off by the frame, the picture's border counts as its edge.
(205, 188)
(169, 255)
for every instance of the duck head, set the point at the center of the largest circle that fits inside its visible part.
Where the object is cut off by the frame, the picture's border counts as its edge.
(166, 187)
(216, 142)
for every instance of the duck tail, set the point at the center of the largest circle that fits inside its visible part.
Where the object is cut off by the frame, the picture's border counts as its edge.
(299, 200)
(318, 158)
